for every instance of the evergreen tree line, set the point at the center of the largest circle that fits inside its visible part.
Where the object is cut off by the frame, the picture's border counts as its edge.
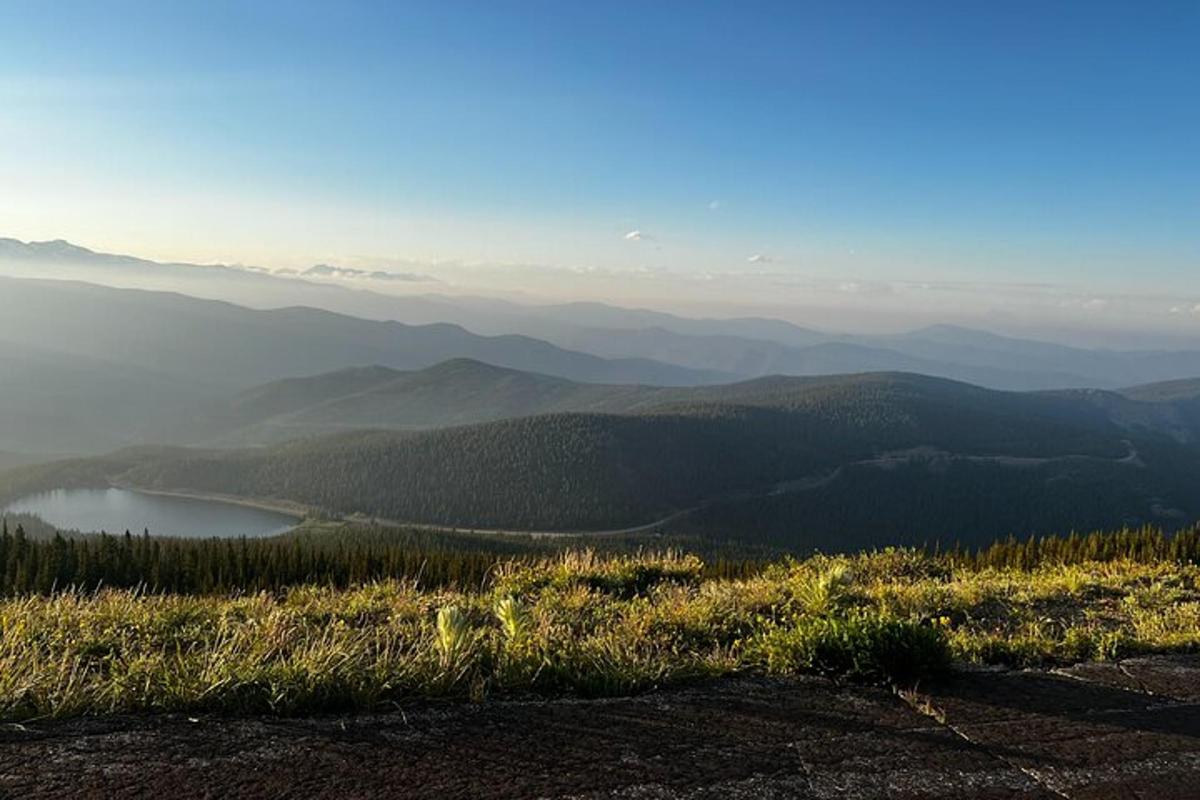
(245, 565)
(221, 566)
(1146, 545)
(224, 566)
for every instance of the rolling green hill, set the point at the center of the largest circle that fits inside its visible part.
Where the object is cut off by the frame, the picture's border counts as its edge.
(455, 392)
(465, 391)
(1186, 390)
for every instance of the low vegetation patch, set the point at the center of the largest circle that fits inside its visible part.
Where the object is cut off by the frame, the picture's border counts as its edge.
(579, 623)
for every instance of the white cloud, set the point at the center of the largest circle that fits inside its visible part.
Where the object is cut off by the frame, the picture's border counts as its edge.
(759, 258)
(714, 205)
(634, 236)
(350, 273)
(1085, 303)
(865, 287)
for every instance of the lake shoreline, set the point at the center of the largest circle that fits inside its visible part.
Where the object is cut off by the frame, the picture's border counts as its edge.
(297, 511)
(166, 513)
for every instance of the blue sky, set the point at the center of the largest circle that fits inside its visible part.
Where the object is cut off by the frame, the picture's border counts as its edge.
(967, 141)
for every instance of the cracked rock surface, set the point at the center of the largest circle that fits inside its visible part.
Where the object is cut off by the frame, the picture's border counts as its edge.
(1125, 729)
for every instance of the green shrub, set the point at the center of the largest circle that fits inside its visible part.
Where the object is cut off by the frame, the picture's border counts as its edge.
(860, 646)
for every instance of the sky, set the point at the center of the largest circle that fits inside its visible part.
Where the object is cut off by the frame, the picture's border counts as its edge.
(714, 150)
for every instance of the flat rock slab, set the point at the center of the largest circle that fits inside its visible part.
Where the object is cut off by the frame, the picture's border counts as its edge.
(1173, 677)
(977, 735)
(1093, 731)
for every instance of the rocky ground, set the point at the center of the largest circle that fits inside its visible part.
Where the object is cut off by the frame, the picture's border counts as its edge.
(1128, 729)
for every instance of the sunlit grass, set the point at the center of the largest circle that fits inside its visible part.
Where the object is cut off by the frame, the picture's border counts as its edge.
(576, 624)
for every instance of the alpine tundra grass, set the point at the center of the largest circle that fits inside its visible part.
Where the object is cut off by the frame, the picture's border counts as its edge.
(577, 624)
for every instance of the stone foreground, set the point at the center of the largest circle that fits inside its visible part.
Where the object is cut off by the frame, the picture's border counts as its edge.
(1127, 729)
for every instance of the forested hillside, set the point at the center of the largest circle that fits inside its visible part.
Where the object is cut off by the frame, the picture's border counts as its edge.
(464, 391)
(841, 462)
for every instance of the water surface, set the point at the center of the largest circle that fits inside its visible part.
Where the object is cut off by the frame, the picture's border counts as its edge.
(119, 510)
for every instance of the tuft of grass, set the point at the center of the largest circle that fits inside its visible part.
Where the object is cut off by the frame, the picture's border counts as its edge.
(514, 619)
(453, 636)
(825, 593)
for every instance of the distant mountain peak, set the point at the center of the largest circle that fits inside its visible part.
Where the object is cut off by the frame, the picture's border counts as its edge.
(956, 332)
(53, 248)
(60, 245)
(474, 367)
(376, 370)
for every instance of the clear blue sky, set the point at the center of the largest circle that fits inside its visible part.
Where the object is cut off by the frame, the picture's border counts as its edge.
(969, 140)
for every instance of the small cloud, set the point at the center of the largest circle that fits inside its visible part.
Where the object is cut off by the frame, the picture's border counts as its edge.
(349, 273)
(1093, 304)
(634, 236)
(759, 258)
(714, 205)
(403, 277)
(865, 287)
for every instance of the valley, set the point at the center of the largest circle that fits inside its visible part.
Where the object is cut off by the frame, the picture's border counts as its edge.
(785, 462)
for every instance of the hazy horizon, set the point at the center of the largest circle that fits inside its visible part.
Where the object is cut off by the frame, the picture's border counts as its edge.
(1055, 313)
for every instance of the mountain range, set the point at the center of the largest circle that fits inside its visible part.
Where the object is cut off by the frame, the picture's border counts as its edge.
(90, 368)
(736, 348)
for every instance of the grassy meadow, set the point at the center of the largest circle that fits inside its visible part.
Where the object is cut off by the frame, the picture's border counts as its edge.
(578, 623)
